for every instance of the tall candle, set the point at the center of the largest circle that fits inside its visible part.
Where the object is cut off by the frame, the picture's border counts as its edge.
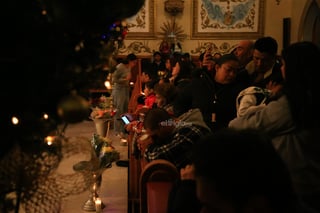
(98, 205)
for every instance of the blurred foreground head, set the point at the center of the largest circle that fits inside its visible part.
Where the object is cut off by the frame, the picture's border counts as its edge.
(238, 170)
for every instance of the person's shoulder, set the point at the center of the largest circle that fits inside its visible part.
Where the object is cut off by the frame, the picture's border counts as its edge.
(152, 95)
(120, 66)
(255, 90)
(250, 68)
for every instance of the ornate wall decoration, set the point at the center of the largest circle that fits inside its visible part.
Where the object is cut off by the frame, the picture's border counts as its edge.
(136, 47)
(223, 48)
(172, 31)
(172, 35)
(228, 19)
(141, 25)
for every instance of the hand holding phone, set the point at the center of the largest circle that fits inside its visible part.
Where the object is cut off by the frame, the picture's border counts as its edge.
(125, 119)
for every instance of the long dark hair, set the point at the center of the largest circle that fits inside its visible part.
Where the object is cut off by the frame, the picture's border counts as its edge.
(185, 72)
(301, 64)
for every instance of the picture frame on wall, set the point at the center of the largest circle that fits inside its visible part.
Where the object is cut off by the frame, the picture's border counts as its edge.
(141, 25)
(220, 19)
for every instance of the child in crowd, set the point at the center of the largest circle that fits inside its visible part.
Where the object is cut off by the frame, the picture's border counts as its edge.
(150, 96)
(145, 102)
(165, 95)
(140, 102)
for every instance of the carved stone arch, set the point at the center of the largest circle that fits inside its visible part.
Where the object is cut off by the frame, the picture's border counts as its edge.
(310, 22)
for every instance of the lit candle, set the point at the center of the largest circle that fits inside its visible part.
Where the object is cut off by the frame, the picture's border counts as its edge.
(107, 84)
(98, 205)
(94, 187)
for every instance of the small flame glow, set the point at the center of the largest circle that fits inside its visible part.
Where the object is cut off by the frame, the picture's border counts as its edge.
(45, 116)
(107, 84)
(15, 120)
(49, 140)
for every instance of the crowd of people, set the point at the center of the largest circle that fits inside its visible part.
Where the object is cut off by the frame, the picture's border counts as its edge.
(241, 127)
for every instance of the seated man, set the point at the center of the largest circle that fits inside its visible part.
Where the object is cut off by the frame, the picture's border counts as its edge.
(172, 139)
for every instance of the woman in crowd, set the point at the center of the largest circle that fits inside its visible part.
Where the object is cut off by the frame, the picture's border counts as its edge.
(121, 91)
(216, 96)
(181, 73)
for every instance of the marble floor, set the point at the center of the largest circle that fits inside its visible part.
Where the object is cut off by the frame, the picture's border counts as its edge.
(113, 191)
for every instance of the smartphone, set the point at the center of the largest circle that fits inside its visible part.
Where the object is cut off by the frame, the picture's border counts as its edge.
(125, 119)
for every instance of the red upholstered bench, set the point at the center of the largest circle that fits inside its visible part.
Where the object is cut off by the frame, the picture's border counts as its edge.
(156, 181)
(157, 196)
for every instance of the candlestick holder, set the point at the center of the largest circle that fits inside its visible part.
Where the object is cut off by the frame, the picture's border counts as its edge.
(90, 204)
(102, 156)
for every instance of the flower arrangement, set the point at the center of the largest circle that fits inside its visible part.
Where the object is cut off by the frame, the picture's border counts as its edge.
(103, 152)
(103, 108)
